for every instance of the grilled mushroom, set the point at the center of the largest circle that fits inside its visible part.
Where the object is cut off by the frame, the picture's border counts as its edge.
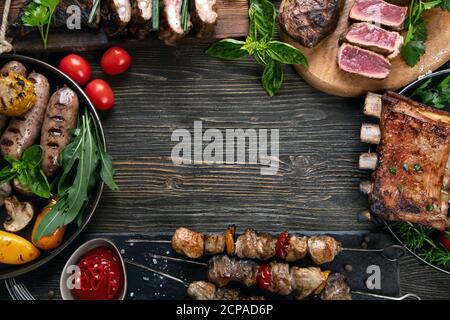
(19, 214)
(5, 191)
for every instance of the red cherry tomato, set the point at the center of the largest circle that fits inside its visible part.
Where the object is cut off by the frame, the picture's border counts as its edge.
(115, 61)
(264, 276)
(282, 245)
(77, 68)
(445, 240)
(100, 93)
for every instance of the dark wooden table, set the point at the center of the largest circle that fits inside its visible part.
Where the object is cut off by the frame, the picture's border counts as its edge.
(167, 88)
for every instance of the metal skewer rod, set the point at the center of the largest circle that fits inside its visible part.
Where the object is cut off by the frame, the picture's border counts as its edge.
(374, 295)
(157, 272)
(157, 256)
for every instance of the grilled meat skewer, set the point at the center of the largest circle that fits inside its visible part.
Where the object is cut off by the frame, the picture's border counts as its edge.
(116, 14)
(250, 245)
(170, 30)
(277, 278)
(203, 290)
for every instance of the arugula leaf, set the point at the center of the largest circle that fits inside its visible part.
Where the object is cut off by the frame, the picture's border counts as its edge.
(271, 54)
(227, 49)
(272, 77)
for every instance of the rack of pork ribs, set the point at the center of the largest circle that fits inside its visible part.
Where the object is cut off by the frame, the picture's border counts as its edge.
(411, 167)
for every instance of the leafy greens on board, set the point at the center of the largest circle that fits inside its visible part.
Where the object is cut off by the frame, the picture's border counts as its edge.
(414, 44)
(28, 171)
(438, 97)
(271, 54)
(39, 13)
(84, 161)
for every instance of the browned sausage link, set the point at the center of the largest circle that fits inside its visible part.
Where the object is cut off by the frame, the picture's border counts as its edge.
(60, 118)
(12, 66)
(23, 131)
(15, 66)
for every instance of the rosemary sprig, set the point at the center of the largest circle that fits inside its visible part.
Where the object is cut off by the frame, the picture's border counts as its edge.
(184, 15)
(155, 15)
(94, 10)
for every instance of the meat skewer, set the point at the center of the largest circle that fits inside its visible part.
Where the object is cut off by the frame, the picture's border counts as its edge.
(409, 134)
(321, 249)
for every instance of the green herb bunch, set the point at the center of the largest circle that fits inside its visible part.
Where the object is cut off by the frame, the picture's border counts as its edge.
(414, 44)
(28, 171)
(436, 96)
(39, 13)
(84, 161)
(260, 45)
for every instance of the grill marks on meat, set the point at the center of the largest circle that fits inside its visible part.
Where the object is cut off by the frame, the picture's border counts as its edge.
(363, 62)
(252, 246)
(377, 39)
(141, 18)
(204, 17)
(116, 14)
(188, 242)
(418, 137)
(310, 21)
(223, 270)
(380, 12)
(170, 29)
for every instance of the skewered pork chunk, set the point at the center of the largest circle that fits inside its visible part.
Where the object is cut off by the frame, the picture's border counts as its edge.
(297, 248)
(170, 29)
(412, 156)
(306, 280)
(116, 14)
(323, 249)
(204, 17)
(252, 246)
(281, 279)
(188, 242)
(336, 288)
(141, 18)
(202, 290)
(223, 270)
(214, 244)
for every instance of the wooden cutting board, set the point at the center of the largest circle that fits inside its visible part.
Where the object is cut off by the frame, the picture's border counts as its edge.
(324, 73)
(232, 22)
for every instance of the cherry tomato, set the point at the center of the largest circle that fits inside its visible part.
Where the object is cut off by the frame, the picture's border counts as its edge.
(282, 245)
(264, 276)
(115, 61)
(445, 240)
(77, 68)
(100, 93)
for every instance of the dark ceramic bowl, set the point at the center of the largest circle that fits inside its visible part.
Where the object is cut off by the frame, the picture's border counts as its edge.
(57, 79)
(435, 77)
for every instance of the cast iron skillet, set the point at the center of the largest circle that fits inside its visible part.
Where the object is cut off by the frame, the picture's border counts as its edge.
(57, 79)
(407, 91)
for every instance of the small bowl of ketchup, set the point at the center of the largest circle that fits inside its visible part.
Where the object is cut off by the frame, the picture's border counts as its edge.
(95, 271)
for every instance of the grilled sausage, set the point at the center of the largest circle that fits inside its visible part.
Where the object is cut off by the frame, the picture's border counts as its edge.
(12, 66)
(23, 131)
(60, 117)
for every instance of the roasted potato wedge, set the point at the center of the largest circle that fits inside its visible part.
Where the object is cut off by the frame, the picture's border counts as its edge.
(16, 94)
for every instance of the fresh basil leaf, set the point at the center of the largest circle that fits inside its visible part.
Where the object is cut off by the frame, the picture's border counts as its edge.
(38, 183)
(262, 15)
(285, 53)
(412, 51)
(227, 49)
(445, 4)
(32, 156)
(272, 77)
(6, 175)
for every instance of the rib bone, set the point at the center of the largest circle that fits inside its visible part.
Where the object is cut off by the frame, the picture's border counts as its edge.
(372, 105)
(368, 161)
(370, 133)
(365, 187)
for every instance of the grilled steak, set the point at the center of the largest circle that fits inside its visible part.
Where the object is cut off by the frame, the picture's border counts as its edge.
(170, 29)
(141, 18)
(16, 28)
(116, 14)
(309, 21)
(377, 39)
(379, 11)
(412, 156)
(204, 17)
(363, 62)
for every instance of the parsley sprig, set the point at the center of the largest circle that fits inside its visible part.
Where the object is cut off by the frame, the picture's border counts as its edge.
(414, 44)
(437, 96)
(39, 13)
(260, 45)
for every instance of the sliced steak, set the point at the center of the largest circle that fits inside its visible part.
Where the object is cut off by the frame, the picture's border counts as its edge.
(363, 62)
(170, 29)
(141, 18)
(379, 11)
(309, 21)
(116, 14)
(377, 39)
(204, 17)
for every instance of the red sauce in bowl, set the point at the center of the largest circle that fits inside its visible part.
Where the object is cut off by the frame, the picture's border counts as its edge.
(100, 277)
